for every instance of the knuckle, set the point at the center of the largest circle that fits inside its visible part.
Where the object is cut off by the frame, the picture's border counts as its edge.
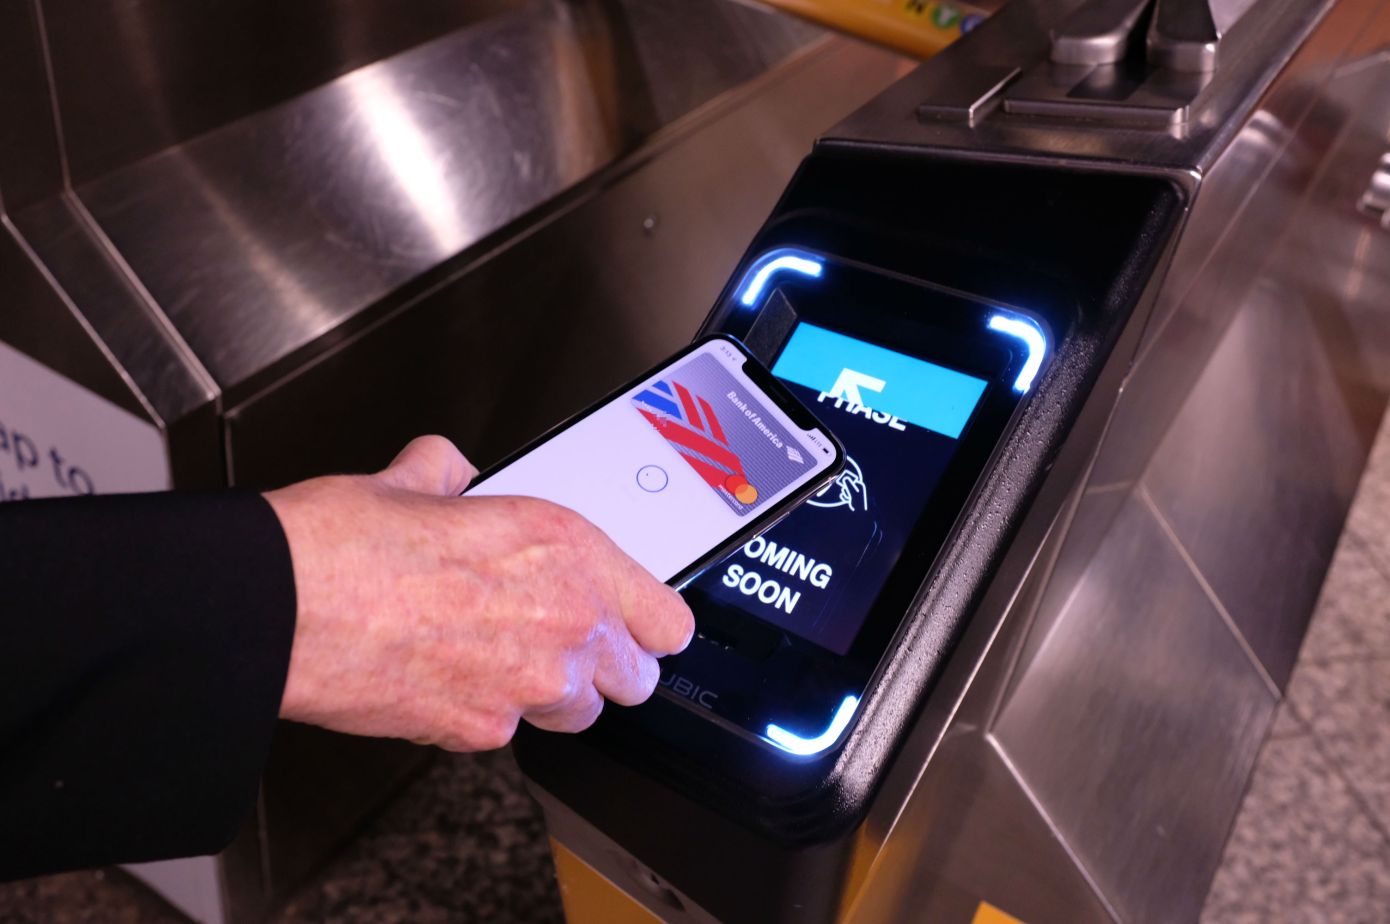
(567, 625)
(576, 627)
(570, 529)
(494, 731)
(649, 675)
(635, 694)
(430, 442)
(546, 519)
(640, 683)
(589, 715)
(545, 686)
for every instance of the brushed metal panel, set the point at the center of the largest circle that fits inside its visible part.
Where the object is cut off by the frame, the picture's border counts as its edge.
(260, 237)
(672, 56)
(30, 167)
(1136, 724)
(1235, 224)
(153, 357)
(36, 320)
(1239, 216)
(1258, 471)
(1096, 511)
(971, 831)
(136, 76)
(590, 299)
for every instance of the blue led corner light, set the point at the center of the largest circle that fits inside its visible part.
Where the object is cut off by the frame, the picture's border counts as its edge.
(805, 747)
(784, 260)
(1013, 325)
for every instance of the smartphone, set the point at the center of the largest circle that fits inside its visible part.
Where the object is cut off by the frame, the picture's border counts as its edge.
(683, 465)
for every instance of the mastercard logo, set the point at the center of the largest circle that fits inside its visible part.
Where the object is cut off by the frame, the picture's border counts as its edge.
(739, 487)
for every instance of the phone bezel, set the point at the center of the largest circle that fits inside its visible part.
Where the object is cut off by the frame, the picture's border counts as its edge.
(772, 390)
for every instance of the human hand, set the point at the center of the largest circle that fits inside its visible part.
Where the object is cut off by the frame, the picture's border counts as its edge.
(445, 619)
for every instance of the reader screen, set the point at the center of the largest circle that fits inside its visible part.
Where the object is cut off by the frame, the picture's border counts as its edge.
(818, 572)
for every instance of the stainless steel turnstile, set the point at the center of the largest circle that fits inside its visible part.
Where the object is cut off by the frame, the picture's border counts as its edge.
(252, 242)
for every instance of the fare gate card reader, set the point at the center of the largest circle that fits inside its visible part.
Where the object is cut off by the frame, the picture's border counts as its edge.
(950, 349)
(920, 383)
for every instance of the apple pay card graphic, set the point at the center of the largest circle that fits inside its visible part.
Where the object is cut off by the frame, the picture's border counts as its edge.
(725, 434)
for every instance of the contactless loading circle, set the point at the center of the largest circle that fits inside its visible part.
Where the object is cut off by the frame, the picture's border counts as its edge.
(652, 478)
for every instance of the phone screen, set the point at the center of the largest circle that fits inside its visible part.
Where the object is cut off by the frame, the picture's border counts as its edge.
(678, 464)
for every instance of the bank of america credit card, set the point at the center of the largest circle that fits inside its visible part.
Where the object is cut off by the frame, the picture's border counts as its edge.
(722, 432)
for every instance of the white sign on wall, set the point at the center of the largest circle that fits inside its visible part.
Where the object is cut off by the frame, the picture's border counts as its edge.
(57, 439)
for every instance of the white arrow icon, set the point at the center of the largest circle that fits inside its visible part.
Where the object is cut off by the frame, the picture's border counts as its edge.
(848, 384)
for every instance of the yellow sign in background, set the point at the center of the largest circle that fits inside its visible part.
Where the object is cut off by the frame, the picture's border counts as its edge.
(917, 27)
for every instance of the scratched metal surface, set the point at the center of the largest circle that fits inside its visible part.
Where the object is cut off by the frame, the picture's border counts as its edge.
(262, 235)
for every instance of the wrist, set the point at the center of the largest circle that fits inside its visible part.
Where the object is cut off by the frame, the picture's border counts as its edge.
(294, 507)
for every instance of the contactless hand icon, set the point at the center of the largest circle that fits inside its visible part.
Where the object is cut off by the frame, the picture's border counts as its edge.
(846, 490)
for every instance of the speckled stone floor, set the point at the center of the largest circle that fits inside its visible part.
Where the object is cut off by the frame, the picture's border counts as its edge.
(464, 843)
(1312, 842)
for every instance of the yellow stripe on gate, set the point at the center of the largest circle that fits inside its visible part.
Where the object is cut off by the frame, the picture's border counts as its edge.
(589, 898)
(988, 914)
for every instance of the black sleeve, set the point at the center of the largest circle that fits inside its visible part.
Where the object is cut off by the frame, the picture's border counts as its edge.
(144, 641)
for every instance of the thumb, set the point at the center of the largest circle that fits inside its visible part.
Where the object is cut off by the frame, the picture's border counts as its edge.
(429, 465)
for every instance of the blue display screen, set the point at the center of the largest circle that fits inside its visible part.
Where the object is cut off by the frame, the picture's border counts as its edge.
(818, 572)
(889, 382)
